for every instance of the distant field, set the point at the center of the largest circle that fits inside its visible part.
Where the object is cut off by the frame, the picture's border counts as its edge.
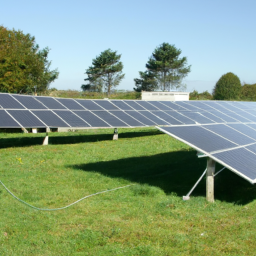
(125, 95)
(149, 218)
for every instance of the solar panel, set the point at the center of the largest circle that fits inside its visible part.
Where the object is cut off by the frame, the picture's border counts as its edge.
(197, 117)
(91, 119)
(146, 105)
(70, 104)
(71, 119)
(172, 106)
(199, 138)
(50, 103)
(8, 102)
(167, 117)
(89, 104)
(230, 134)
(110, 119)
(29, 102)
(6, 121)
(26, 118)
(244, 129)
(141, 118)
(121, 104)
(106, 104)
(154, 118)
(159, 105)
(232, 158)
(183, 119)
(134, 105)
(50, 119)
(126, 118)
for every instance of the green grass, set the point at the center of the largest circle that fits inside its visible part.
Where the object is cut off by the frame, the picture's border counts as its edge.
(149, 218)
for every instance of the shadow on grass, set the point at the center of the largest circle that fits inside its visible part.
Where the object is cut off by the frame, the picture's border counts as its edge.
(175, 172)
(69, 139)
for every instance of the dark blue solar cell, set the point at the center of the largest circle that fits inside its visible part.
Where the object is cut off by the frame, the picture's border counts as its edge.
(50, 103)
(88, 104)
(224, 117)
(6, 121)
(253, 126)
(166, 117)
(70, 104)
(153, 117)
(197, 117)
(106, 104)
(227, 106)
(146, 105)
(121, 104)
(141, 118)
(245, 129)
(134, 105)
(237, 116)
(215, 105)
(172, 105)
(251, 117)
(212, 117)
(29, 102)
(200, 105)
(26, 118)
(240, 159)
(71, 119)
(110, 119)
(90, 118)
(229, 134)
(183, 119)
(126, 118)
(252, 148)
(187, 105)
(7, 101)
(50, 119)
(198, 137)
(159, 105)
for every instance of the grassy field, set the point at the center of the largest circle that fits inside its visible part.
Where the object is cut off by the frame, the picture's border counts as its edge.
(148, 218)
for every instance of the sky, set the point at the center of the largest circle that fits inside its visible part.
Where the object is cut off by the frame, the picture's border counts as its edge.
(216, 36)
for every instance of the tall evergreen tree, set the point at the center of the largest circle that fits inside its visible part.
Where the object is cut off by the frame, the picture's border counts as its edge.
(167, 67)
(107, 68)
(22, 64)
(146, 82)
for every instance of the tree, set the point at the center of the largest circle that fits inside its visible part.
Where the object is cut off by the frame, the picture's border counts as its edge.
(146, 82)
(167, 68)
(228, 87)
(106, 68)
(22, 65)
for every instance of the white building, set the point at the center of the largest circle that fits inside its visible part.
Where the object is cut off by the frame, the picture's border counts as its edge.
(165, 96)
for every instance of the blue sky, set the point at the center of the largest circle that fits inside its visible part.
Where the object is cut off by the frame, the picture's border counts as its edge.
(216, 36)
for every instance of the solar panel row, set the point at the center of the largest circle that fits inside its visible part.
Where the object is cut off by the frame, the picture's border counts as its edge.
(30, 111)
(232, 145)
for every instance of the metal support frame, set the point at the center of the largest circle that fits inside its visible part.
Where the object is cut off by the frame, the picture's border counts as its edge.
(115, 136)
(209, 171)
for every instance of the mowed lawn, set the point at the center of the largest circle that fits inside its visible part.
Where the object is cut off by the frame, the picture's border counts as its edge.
(147, 218)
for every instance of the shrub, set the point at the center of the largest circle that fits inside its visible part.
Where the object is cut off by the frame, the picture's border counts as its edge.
(248, 92)
(227, 88)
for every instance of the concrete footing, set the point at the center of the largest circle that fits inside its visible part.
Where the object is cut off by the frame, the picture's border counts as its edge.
(210, 180)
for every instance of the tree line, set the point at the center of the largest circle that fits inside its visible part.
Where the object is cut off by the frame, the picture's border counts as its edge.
(165, 70)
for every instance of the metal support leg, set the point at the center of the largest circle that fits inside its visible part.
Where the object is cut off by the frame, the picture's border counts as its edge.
(187, 197)
(210, 180)
(115, 136)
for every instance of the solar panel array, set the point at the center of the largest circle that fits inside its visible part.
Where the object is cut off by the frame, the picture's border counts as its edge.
(36, 112)
(225, 131)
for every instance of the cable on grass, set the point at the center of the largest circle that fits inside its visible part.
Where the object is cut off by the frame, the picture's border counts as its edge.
(61, 208)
